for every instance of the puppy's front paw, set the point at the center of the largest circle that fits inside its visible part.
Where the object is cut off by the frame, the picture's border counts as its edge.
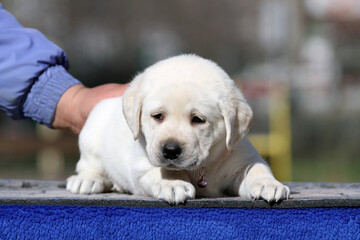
(174, 191)
(268, 189)
(86, 184)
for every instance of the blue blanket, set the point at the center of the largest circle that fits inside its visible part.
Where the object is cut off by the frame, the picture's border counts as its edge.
(81, 222)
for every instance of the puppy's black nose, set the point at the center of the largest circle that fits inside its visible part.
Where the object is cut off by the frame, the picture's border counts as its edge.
(171, 150)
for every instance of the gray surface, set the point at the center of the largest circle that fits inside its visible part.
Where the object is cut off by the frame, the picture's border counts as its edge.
(303, 195)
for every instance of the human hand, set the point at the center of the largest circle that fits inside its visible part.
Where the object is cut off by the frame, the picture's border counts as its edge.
(77, 102)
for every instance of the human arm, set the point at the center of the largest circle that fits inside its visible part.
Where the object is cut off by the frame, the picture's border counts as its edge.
(34, 82)
(77, 102)
(33, 73)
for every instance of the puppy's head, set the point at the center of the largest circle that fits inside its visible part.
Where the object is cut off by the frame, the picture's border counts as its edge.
(184, 106)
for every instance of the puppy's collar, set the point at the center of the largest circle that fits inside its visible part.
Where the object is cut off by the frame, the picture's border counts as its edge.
(202, 182)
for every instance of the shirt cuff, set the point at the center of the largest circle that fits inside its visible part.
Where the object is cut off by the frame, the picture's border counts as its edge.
(41, 102)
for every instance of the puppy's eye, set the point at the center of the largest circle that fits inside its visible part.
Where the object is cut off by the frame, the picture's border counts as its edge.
(197, 120)
(158, 116)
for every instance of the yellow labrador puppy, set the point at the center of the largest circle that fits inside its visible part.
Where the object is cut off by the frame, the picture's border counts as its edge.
(178, 132)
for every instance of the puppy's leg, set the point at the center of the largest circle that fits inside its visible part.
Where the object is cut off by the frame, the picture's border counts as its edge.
(91, 177)
(259, 182)
(172, 186)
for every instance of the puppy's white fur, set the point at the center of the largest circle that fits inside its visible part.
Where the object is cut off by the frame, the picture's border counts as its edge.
(185, 100)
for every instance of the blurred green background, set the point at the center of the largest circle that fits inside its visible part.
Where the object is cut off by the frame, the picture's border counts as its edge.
(310, 48)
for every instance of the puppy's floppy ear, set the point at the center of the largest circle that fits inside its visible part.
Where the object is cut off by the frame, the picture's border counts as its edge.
(237, 117)
(132, 104)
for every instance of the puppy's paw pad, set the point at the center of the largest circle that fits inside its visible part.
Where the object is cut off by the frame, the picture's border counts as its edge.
(174, 191)
(86, 185)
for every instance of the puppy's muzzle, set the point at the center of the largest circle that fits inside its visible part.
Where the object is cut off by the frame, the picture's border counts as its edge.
(171, 150)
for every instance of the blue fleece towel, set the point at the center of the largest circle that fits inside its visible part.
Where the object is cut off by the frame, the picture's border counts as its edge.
(81, 222)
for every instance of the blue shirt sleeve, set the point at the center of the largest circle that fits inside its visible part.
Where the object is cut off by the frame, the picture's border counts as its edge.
(33, 73)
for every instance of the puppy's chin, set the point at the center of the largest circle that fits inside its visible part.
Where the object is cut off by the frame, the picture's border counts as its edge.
(192, 165)
(173, 167)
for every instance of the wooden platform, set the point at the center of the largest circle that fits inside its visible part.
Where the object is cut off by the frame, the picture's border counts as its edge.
(303, 195)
